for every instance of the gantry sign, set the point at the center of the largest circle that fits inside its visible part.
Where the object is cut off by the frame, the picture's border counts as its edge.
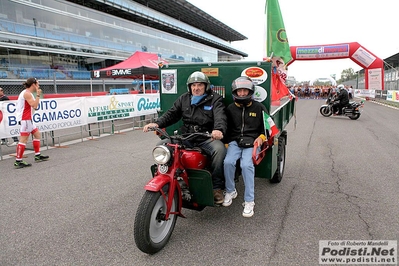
(373, 66)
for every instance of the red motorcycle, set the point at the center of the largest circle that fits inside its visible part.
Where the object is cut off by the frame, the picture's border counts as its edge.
(181, 179)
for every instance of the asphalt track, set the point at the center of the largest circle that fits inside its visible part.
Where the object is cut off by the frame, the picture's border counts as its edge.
(341, 182)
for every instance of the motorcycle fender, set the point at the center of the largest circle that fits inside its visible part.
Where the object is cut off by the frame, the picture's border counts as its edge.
(324, 105)
(157, 183)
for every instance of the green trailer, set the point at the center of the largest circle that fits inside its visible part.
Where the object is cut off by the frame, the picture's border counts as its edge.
(174, 184)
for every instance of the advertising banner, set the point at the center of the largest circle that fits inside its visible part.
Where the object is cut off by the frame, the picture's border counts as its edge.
(147, 103)
(104, 108)
(393, 96)
(365, 93)
(51, 114)
(60, 113)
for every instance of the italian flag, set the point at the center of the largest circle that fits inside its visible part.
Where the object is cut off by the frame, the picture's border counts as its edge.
(269, 125)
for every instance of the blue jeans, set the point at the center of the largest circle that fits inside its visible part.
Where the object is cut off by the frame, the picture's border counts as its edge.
(247, 166)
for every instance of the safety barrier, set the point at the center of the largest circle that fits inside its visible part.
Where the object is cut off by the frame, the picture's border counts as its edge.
(63, 137)
(74, 118)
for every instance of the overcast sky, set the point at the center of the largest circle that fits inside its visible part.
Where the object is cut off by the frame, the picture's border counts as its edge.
(373, 24)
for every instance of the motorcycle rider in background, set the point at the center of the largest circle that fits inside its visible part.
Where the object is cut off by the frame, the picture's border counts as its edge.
(341, 100)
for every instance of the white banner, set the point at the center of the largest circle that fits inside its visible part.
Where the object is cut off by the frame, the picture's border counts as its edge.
(52, 114)
(61, 113)
(365, 93)
(147, 103)
(104, 108)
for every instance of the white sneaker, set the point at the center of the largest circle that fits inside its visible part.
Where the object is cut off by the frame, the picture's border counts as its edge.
(228, 198)
(248, 209)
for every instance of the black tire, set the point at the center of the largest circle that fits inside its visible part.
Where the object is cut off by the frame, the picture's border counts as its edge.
(326, 111)
(151, 233)
(278, 175)
(354, 116)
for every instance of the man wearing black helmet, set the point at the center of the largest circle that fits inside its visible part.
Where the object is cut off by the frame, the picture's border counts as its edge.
(201, 110)
(245, 128)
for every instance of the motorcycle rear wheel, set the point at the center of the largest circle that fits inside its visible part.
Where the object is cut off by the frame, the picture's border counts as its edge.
(354, 116)
(325, 111)
(278, 175)
(151, 231)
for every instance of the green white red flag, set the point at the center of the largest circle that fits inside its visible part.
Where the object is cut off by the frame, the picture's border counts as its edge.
(269, 125)
(277, 50)
(276, 36)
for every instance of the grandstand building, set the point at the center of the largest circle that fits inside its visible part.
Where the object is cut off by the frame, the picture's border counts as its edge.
(61, 41)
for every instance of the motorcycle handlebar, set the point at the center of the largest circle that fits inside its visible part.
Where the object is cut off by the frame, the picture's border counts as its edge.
(185, 136)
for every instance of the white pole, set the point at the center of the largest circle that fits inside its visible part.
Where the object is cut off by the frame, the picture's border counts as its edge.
(143, 84)
(91, 87)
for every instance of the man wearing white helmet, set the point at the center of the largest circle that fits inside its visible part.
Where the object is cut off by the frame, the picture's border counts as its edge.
(341, 100)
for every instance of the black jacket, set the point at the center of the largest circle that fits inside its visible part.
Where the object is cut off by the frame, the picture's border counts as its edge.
(4, 98)
(209, 114)
(245, 121)
(343, 97)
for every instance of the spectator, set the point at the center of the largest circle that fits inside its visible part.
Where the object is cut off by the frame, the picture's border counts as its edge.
(3, 97)
(317, 93)
(350, 92)
(26, 105)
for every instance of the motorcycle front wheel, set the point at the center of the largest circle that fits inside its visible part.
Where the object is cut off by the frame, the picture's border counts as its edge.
(151, 231)
(325, 111)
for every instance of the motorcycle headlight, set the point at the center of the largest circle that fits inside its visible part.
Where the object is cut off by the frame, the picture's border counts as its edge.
(161, 154)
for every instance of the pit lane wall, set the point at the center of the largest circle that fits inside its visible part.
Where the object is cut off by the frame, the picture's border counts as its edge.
(62, 113)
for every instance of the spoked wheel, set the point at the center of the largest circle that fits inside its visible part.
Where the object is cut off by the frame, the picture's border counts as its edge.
(325, 111)
(151, 231)
(278, 175)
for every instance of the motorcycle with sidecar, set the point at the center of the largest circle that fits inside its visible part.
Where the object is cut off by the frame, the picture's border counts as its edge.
(180, 175)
